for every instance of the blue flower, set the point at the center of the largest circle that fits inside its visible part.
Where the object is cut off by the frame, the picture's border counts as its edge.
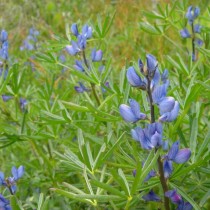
(151, 196)
(87, 31)
(4, 203)
(197, 28)
(192, 13)
(199, 42)
(151, 64)
(134, 79)
(18, 172)
(151, 174)
(131, 113)
(73, 49)
(6, 97)
(149, 137)
(74, 29)
(3, 36)
(81, 88)
(175, 198)
(171, 114)
(23, 102)
(96, 55)
(176, 155)
(185, 33)
(79, 66)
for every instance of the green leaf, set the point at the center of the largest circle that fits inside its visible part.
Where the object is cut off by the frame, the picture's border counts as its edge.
(108, 188)
(147, 27)
(14, 203)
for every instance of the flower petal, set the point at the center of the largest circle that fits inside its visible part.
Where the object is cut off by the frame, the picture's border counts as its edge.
(173, 151)
(151, 196)
(182, 156)
(168, 168)
(127, 113)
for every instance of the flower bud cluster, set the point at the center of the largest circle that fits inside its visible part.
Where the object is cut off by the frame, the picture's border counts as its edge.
(4, 55)
(78, 47)
(191, 15)
(155, 84)
(30, 43)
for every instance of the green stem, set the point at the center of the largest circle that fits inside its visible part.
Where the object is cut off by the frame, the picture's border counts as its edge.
(92, 85)
(193, 42)
(160, 164)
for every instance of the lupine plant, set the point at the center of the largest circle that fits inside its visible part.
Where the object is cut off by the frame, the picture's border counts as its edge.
(151, 137)
(191, 15)
(92, 128)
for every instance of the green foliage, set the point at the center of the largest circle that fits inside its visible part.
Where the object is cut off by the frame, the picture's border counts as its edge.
(78, 154)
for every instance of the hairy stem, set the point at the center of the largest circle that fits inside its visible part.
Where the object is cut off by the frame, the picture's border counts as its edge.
(160, 164)
(92, 85)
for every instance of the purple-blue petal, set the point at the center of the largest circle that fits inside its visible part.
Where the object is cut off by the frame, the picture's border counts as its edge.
(151, 63)
(185, 33)
(167, 168)
(71, 50)
(133, 78)
(175, 198)
(127, 113)
(197, 28)
(151, 196)
(159, 93)
(173, 151)
(74, 29)
(166, 105)
(136, 109)
(182, 156)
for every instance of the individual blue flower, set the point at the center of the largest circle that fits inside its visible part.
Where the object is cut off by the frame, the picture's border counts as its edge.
(167, 168)
(184, 206)
(81, 88)
(176, 155)
(81, 42)
(174, 196)
(151, 64)
(134, 79)
(149, 137)
(159, 93)
(23, 102)
(192, 13)
(199, 42)
(197, 28)
(2, 180)
(74, 29)
(185, 33)
(141, 66)
(73, 49)
(79, 66)
(17, 172)
(170, 115)
(151, 174)
(151, 196)
(96, 55)
(131, 113)
(3, 36)
(6, 97)
(4, 203)
(87, 31)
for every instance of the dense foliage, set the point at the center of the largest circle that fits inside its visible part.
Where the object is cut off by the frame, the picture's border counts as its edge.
(105, 105)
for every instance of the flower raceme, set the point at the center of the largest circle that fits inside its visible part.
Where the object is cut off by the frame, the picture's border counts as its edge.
(155, 84)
